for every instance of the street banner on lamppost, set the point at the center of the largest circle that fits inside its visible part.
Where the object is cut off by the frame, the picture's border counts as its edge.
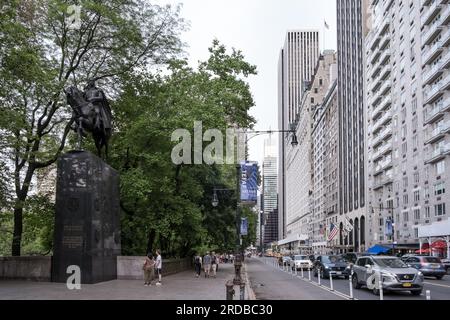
(244, 226)
(389, 228)
(249, 183)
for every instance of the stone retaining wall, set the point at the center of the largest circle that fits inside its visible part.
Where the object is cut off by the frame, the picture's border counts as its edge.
(130, 267)
(38, 268)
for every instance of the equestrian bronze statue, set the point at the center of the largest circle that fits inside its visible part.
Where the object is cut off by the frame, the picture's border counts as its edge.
(92, 114)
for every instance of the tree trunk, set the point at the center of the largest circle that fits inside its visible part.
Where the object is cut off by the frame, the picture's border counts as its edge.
(150, 241)
(18, 227)
(21, 195)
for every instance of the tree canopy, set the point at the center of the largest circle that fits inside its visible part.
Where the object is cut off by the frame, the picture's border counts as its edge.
(133, 49)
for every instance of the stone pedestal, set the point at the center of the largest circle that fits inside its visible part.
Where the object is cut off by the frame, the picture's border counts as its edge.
(87, 221)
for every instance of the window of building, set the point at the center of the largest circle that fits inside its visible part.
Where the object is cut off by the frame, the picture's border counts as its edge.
(404, 148)
(427, 213)
(405, 182)
(416, 214)
(416, 196)
(405, 199)
(406, 216)
(426, 193)
(439, 210)
(439, 189)
(440, 167)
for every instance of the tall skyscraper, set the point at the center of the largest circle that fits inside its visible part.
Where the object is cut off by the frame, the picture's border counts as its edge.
(270, 197)
(351, 30)
(296, 66)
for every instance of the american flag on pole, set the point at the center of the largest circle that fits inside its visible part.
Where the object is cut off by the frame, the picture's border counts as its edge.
(333, 232)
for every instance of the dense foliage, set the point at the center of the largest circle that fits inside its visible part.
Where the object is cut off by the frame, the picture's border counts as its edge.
(133, 49)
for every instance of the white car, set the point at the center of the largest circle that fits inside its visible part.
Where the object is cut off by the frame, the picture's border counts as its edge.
(301, 262)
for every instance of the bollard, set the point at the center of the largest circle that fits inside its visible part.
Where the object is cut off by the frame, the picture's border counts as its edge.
(309, 274)
(351, 285)
(296, 271)
(230, 291)
(318, 277)
(380, 284)
(242, 291)
(302, 273)
(428, 293)
(331, 282)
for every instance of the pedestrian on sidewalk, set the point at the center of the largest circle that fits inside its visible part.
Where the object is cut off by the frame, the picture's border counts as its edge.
(198, 265)
(214, 264)
(149, 270)
(158, 267)
(207, 264)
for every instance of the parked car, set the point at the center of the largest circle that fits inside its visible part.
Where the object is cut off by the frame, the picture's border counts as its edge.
(446, 263)
(396, 275)
(301, 262)
(429, 266)
(351, 257)
(334, 265)
(409, 255)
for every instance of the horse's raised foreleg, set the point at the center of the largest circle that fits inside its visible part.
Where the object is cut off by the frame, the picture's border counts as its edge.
(80, 132)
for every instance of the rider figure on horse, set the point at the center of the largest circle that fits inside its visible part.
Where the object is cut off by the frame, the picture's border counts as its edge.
(102, 109)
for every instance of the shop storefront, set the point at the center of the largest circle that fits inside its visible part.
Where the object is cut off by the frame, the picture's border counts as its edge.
(435, 239)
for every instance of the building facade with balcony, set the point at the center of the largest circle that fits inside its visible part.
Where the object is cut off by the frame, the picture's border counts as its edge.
(435, 41)
(405, 80)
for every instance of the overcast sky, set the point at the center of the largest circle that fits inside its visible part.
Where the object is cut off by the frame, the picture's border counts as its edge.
(258, 28)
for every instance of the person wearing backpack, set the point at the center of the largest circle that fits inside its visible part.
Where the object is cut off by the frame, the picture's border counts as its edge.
(198, 265)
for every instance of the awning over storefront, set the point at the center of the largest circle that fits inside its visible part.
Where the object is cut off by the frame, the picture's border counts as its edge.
(294, 238)
(376, 249)
(320, 244)
(436, 229)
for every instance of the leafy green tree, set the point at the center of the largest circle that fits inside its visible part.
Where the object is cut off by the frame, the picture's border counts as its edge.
(41, 54)
(168, 206)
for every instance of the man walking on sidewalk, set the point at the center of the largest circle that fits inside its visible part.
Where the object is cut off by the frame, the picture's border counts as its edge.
(214, 264)
(207, 264)
(158, 266)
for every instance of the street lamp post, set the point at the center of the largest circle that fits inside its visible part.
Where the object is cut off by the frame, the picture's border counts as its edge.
(239, 257)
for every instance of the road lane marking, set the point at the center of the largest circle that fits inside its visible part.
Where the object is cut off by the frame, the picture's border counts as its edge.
(438, 285)
(337, 293)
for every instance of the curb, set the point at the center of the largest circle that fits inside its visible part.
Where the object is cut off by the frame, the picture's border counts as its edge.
(248, 288)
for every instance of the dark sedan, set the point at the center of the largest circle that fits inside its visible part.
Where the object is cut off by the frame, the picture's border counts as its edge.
(429, 266)
(334, 265)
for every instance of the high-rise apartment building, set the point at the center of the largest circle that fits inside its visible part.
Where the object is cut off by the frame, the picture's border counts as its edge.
(352, 17)
(398, 178)
(297, 61)
(435, 42)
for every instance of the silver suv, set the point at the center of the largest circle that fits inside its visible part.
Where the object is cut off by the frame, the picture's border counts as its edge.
(395, 275)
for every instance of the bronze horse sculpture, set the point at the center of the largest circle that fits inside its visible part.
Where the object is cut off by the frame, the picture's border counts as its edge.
(92, 114)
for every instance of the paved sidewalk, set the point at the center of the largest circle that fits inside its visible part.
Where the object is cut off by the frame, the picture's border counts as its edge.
(181, 286)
